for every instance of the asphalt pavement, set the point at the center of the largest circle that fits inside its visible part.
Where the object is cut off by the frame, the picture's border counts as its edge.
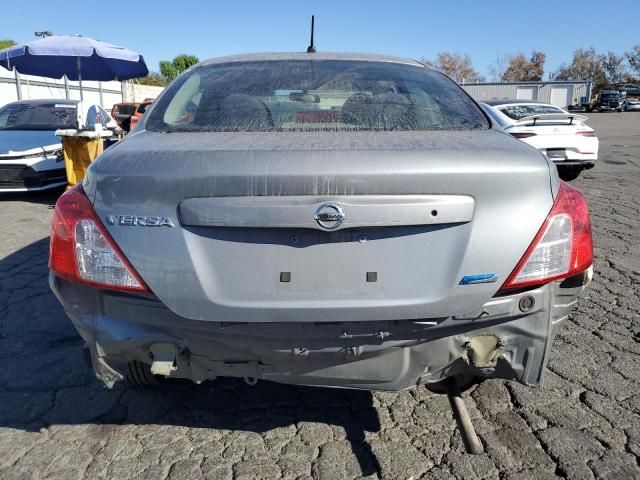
(58, 422)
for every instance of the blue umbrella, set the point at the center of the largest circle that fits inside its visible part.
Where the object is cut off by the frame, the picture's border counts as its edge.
(76, 57)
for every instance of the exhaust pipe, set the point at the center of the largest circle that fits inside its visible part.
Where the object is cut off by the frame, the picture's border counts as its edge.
(468, 433)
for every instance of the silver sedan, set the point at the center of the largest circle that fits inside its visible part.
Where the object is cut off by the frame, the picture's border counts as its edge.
(631, 105)
(335, 220)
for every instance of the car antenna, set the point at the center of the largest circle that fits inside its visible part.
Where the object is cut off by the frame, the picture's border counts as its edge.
(312, 48)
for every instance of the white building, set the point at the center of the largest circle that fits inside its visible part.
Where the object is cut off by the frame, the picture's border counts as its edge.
(558, 93)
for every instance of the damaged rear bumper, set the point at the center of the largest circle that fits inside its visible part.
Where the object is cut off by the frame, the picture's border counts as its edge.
(509, 337)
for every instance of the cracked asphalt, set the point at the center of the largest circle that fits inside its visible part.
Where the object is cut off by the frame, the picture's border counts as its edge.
(58, 422)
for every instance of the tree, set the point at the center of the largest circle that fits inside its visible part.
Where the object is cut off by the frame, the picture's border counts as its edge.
(457, 66)
(614, 67)
(522, 70)
(633, 58)
(517, 68)
(536, 65)
(6, 44)
(496, 71)
(179, 64)
(586, 65)
(154, 78)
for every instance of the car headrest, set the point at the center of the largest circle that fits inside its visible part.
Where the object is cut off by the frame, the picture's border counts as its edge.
(385, 111)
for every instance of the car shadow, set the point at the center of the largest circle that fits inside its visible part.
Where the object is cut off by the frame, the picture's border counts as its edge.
(44, 197)
(45, 380)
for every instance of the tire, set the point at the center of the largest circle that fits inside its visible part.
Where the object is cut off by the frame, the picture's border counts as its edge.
(569, 174)
(139, 374)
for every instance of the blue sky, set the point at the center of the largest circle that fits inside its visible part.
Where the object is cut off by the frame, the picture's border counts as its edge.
(483, 29)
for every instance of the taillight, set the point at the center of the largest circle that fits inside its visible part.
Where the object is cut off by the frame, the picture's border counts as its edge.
(523, 134)
(586, 133)
(562, 247)
(81, 250)
(134, 120)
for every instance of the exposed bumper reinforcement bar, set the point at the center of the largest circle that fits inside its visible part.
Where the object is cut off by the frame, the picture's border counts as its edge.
(498, 340)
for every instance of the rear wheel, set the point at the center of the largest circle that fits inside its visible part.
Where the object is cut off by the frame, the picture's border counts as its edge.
(139, 374)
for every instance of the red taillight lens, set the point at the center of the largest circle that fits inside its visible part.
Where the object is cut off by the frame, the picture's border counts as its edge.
(62, 258)
(81, 250)
(562, 247)
(523, 134)
(134, 120)
(586, 133)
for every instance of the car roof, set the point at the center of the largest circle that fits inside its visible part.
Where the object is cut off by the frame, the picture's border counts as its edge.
(48, 100)
(261, 57)
(510, 101)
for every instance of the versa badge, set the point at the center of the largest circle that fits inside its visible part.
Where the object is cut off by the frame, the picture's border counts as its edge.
(138, 221)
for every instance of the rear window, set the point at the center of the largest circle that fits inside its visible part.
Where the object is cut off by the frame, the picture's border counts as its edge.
(520, 111)
(125, 109)
(38, 116)
(314, 95)
(143, 107)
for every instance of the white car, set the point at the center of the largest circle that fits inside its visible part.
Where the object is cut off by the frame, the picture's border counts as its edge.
(30, 153)
(560, 135)
(631, 105)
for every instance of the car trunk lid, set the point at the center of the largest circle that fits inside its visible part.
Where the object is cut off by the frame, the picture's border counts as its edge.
(421, 211)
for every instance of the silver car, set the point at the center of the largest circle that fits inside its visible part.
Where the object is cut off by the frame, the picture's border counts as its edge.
(631, 105)
(335, 220)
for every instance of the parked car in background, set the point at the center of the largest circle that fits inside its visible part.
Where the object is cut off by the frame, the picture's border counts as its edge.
(631, 105)
(139, 112)
(122, 112)
(560, 135)
(30, 153)
(323, 219)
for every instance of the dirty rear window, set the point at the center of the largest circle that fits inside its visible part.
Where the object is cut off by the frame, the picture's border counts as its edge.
(38, 116)
(520, 111)
(314, 95)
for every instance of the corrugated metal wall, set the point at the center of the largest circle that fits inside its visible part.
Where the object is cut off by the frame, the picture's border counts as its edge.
(557, 93)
